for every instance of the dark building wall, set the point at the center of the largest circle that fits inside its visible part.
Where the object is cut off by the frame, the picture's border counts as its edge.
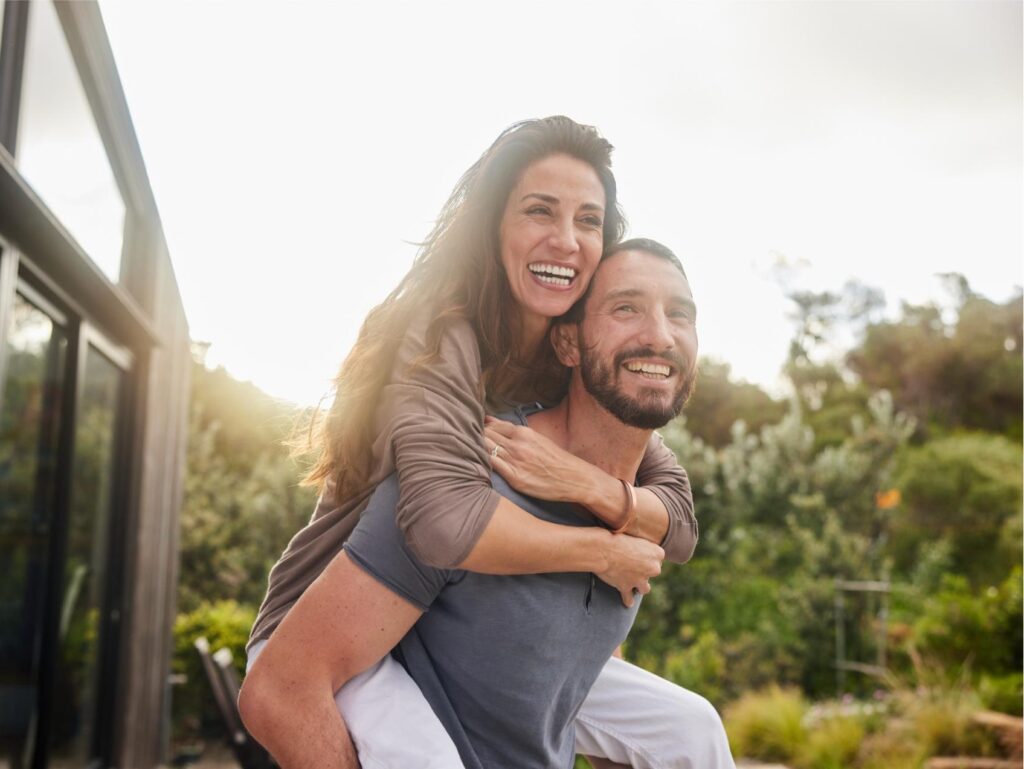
(136, 324)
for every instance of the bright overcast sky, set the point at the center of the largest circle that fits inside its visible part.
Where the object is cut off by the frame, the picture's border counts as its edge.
(296, 149)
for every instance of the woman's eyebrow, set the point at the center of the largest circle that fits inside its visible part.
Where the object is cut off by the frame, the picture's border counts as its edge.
(552, 200)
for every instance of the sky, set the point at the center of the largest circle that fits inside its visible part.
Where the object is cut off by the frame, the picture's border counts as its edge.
(298, 150)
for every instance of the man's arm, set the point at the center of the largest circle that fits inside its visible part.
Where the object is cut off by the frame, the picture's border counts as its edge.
(344, 623)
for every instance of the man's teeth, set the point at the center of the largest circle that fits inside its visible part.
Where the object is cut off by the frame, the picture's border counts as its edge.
(553, 274)
(650, 369)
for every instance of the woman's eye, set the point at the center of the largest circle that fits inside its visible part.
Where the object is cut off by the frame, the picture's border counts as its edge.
(541, 210)
(592, 221)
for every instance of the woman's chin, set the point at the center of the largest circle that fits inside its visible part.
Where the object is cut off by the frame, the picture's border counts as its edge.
(549, 304)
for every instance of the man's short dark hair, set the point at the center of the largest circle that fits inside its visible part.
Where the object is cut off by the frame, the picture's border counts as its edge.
(647, 245)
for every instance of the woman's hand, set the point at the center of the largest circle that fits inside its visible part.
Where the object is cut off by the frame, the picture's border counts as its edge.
(632, 562)
(533, 465)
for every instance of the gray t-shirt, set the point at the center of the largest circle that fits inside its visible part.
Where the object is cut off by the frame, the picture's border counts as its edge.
(504, 661)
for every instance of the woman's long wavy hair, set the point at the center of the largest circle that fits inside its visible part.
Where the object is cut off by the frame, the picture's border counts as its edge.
(457, 271)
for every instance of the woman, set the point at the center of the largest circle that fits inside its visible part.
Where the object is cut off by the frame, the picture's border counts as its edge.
(514, 247)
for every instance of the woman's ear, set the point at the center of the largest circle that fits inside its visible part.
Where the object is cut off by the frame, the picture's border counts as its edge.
(565, 340)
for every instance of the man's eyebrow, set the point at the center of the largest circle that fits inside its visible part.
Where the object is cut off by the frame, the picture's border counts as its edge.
(622, 293)
(552, 200)
(631, 293)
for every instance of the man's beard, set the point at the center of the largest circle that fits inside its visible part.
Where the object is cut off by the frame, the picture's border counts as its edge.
(647, 412)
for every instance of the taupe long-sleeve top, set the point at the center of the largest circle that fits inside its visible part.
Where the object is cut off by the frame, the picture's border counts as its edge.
(429, 427)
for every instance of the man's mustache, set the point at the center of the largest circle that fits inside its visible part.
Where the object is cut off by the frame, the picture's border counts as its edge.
(673, 357)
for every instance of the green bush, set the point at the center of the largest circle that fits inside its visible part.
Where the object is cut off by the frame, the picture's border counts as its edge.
(977, 626)
(224, 624)
(941, 720)
(1002, 693)
(767, 724)
(699, 667)
(831, 744)
(897, 747)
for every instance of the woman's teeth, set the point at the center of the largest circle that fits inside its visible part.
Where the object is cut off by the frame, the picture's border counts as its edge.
(553, 274)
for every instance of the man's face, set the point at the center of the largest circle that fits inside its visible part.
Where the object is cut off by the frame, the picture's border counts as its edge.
(637, 341)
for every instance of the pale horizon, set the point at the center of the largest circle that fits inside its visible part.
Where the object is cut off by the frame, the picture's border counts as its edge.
(296, 151)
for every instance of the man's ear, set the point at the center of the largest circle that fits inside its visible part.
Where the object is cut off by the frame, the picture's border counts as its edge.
(565, 340)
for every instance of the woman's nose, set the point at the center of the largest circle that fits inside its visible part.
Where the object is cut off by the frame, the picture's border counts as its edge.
(563, 237)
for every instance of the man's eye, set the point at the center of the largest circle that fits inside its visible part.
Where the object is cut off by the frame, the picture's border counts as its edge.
(625, 308)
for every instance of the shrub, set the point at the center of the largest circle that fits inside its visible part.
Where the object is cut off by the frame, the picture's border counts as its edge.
(1002, 693)
(224, 624)
(981, 626)
(767, 724)
(831, 744)
(898, 747)
(699, 667)
(941, 720)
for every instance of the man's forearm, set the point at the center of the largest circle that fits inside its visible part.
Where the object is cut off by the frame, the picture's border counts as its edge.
(344, 623)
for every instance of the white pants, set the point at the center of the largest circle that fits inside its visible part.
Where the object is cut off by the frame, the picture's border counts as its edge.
(630, 717)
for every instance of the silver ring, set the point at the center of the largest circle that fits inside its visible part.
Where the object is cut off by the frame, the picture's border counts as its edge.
(494, 451)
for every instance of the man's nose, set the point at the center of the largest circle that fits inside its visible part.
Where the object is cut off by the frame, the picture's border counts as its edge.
(656, 331)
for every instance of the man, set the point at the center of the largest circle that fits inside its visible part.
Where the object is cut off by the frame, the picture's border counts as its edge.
(506, 661)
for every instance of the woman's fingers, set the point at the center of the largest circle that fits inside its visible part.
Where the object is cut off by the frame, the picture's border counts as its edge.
(500, 428)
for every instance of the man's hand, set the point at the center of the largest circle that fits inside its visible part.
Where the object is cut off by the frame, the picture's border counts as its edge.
(631, 563)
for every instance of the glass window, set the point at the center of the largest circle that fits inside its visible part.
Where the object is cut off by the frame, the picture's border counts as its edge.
(28, 443)
(59, 149)
(85, 567)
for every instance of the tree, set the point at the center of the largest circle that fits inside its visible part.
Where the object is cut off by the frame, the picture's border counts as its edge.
(718, 402)
(964, 374)
(242, 500)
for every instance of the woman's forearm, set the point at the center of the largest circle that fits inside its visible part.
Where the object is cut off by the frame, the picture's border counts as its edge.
(535, 465)
(605, 497)
(516, 542)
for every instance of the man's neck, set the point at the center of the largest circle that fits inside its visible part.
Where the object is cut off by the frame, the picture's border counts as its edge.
(583, 427)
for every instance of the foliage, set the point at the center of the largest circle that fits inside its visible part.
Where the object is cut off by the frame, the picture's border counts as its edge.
(940, 719)
(964, 489)
(1002, 693)
(242, 503)
(223, 624)
(781, 519)
(718, 402)
(767, 724)
(960, 374)
(831, 744)
(981, 628)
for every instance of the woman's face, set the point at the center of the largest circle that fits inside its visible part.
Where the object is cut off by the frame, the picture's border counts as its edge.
(552, 235)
